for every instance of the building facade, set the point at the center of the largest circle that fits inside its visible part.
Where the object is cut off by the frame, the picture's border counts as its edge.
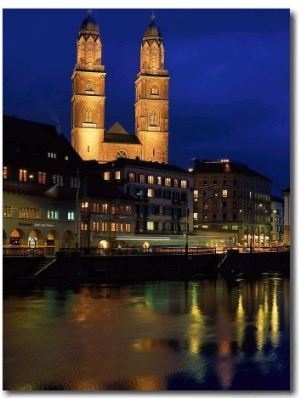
(150, 141)
(164, 199)
(277, 221)
(232, 205)
(287, 217)
(52, 199)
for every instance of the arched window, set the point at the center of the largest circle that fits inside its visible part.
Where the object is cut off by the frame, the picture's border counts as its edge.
(89, 85)
(154, 90)
(88, 115)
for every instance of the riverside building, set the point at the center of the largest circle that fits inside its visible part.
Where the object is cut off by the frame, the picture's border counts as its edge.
(232, 204)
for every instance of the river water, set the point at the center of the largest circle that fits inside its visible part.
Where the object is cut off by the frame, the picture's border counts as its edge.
(209, 334)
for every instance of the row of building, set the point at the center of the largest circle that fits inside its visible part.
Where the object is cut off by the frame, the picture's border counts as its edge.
(109, 188)
(53, 198)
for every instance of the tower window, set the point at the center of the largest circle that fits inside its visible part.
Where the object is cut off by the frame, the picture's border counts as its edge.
(154, 90)
(88, 115)
(89, 85)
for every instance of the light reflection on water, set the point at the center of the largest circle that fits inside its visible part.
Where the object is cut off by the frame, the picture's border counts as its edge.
(212, 334)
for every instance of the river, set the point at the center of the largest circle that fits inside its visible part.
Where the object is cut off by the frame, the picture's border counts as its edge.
(208, 334)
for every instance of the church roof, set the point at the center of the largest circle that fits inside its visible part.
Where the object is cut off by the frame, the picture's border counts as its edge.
(152, 30)
(89, 26)
(117, 133)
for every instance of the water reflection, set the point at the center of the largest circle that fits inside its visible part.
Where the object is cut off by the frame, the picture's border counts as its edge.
(211, 334)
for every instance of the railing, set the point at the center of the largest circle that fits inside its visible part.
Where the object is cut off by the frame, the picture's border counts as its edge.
(28, 252)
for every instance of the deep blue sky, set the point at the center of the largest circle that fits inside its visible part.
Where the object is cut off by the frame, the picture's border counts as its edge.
(229, 77)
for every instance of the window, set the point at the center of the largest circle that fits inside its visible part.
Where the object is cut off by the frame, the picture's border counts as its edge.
(41, 177)
(183, 184)
(224, 193)
(128, 227)
(159, 180)
(205, 194)
(176, 182)
(74, 182)
(96, 226)
(224, 216)
(150, 193)
(234, 216)
(89, 85)
(51, 155)
(7, 211)
(121, 154)
(104, 226)
(224, 204)
(52, 215)
(104, 208)
(142, 178)
(83, 226)
(150, 179)
(215, 183)
(106, 175)
(57, 179)
(214, 217)
(71, 215)
(224, 227)
(168, 182)
(117, 175)
(205, 206)
(235, 228)
(88, 115)
(234, 193)
(66, 157)
(96, 207)
(196, 195)
(84, 207)
(131, 177)
(205, 183)
(224, 183)
(150, 225)
(23, 175)
(154, 90)
(5, 174)
(215, 194)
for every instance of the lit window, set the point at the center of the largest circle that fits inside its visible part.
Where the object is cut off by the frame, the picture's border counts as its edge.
(41, 177)
(52, 215)
(117, 175)
(168, 182)
(96, 207)
(175, 182)
(150, 193)
(23, 175)
(128, 227)
(96, 226)
(159, 180)
(83, 226)
(7, 211)
(131, 177)
(150, 179)
(104, 208)
(104, 226)
(141, 178)
(57, 179)
(183, 184)
(84, 207)
(71, 215)
(51, 155)
(224, 193)
(5, 173)
(106, 175)
(150, 226)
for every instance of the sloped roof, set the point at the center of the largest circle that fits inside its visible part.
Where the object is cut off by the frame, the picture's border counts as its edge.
(117, 133)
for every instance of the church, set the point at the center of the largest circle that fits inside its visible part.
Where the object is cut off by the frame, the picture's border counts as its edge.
(89, 136)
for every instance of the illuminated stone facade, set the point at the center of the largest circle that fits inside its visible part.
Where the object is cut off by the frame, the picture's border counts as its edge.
(89, 137)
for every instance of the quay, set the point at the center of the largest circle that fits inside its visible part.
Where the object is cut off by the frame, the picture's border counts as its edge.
(69, 266)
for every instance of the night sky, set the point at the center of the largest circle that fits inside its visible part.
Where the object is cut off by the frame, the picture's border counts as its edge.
(229, 77)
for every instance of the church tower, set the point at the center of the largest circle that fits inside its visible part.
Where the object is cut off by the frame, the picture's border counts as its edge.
(152, 97)
(88, 93)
